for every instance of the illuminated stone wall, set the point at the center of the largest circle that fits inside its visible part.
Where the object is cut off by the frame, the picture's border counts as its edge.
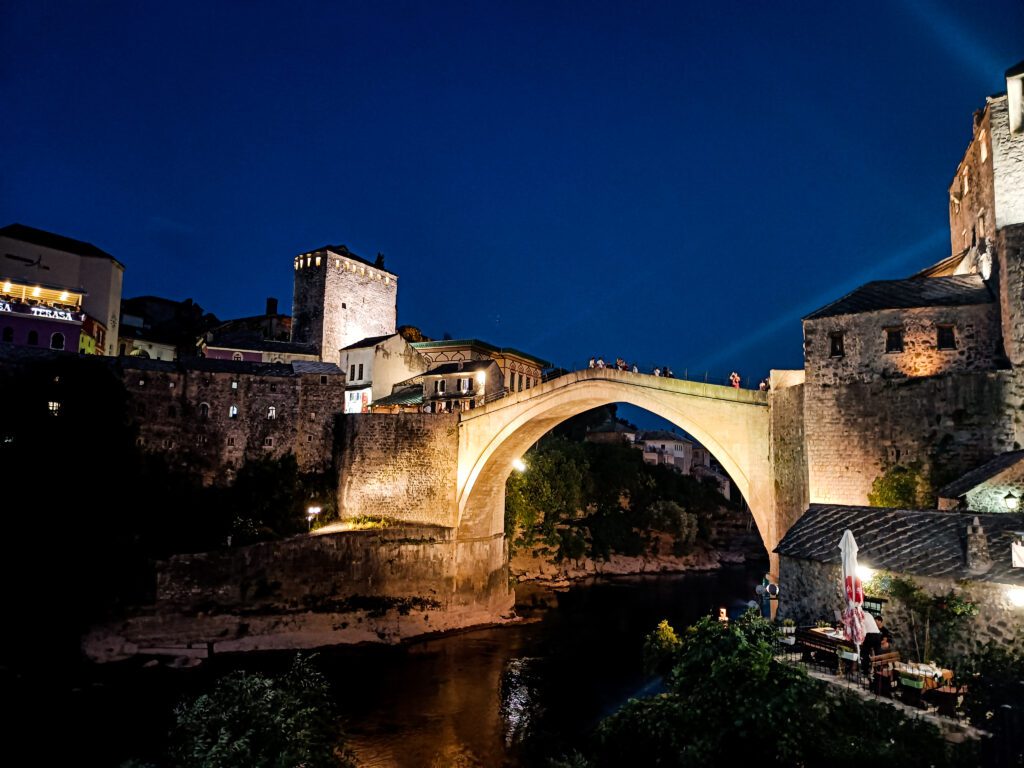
(972, 191)
(339, 300)
(788, 457)
(399, 466)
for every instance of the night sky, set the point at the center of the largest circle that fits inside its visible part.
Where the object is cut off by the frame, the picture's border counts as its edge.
(670, 183)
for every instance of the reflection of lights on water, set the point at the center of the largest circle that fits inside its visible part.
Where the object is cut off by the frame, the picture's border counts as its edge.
(520, 698)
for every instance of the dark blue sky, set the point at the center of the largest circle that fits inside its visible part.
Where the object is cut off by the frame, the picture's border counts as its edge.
(672, 184)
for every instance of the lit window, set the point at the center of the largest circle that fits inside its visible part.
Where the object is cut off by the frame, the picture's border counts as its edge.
(233, 412)
(236, 356)
(142, 382)
(57, 341)
(54, 407)
(984, 146)
(835, 345)
(234, 385)
(312, 415)
(893, 340)
(272, 412)
(946, 337)
(170, 385)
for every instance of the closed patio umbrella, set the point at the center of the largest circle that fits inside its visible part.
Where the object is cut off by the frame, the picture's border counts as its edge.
(853, 612)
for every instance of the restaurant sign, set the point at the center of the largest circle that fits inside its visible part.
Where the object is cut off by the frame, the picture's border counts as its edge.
(47, 312)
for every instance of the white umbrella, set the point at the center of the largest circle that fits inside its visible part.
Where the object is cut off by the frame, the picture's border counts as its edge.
(853, 613)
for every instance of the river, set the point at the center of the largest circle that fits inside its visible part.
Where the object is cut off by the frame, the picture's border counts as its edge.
(502, 696)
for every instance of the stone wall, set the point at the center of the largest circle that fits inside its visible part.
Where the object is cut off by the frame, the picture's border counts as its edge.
(167, 401)
(951, 423)
(1009, 247)
(310, 591)
(809, 591)
(1008, 165)
(976, 330)
(399, 466)
(971, 191)
(788, 460)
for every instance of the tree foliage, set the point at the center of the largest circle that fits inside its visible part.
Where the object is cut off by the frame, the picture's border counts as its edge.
(728, 701)
(902, 487)
(256, 721)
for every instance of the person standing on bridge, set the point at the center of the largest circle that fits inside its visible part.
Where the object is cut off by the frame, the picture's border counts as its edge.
(734, 379)
(591, 364)
(668, 372)
(657, 371)
(600, 362)
(636, 369)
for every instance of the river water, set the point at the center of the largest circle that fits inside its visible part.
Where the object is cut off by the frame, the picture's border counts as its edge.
(503, 696)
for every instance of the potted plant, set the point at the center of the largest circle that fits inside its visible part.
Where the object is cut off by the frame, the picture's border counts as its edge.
(788, 626)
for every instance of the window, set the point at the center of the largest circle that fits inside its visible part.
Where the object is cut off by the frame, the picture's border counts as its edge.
(312, 415)
(122, 349)
(234, 385)
(231, 441)
(946, 337)
(233, 412)
(360, 371)
(204, 410)
(323, 380)
(236, 356)
(520, 388)
(272, 412)
(170, 385)
(893, 340)
(529, 380)
(309, 438)
(54, 407)
(140, 441)
(352, 372)
(439, 387)
(201, 440)
(33, 338)
(835, 344)
(268, 441)
(463, 385)
(8, 334)
(168, 444)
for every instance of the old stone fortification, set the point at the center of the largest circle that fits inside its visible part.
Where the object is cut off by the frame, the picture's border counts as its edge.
(399, 466)
(788, 451)
(952, 423)
(340, 299)
(382, 585)
(809, 591)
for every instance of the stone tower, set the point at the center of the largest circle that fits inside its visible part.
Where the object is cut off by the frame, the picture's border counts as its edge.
(341, 298)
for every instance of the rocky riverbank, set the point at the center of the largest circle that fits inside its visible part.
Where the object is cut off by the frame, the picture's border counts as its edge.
(536, 565)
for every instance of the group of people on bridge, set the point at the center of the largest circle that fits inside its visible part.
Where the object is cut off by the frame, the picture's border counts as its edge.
(622, 365)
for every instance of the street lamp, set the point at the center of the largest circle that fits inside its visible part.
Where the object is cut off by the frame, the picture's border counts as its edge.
(1011, 501)
(519, 465)
(311, 512)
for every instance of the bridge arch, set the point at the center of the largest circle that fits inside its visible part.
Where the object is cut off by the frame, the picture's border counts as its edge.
(732, 424)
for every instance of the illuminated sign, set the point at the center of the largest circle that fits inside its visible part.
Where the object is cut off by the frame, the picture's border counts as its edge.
(48, 312)
(57, 314)
(5, 306)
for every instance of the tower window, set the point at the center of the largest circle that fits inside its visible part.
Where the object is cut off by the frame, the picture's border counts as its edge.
(946, 337)
(233, 412)
(893, 340)
(272, 412)
(234, 385)
(835, 344)
(231, 441)
(204, 410)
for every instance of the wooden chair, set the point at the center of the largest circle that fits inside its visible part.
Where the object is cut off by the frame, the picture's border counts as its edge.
(880, 672)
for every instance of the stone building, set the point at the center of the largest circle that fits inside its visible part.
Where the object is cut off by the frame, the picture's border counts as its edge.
(929, 370)
(341, 298)
(996, 486)
(374, 366)
(36, 256)
(213, 415)
(668, 448)
(461, 386)
(519, 370)
(940, 551)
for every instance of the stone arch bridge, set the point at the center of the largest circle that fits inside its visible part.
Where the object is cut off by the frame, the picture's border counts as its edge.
(733, 424)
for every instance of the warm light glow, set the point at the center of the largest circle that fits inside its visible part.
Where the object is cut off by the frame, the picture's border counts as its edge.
(519, 465)
(1011, 501)
(64, 296)
(7, 286)
(35, 291)
(1016, 595)
(313, 512)
(864, 573)
(481, 378)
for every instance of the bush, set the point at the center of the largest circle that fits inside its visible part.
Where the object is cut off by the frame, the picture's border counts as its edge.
(255, 721)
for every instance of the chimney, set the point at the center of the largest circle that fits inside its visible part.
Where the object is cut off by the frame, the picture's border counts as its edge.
(978, 560)
(271, 306)
(1015, 97)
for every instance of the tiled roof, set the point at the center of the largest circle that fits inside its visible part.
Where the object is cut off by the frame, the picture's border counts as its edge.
(54, 241)
(952, 291)
(664, 435)
(467, 366)
(404, 396)
(370, 341)
(249, 341)
(482, 345)
(311, 366)
(978, 476)
(915, 542)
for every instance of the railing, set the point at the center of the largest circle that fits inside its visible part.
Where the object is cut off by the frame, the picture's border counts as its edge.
(700, 377)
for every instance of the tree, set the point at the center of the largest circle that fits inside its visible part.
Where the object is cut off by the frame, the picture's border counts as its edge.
(256, 721)
(902, 487)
